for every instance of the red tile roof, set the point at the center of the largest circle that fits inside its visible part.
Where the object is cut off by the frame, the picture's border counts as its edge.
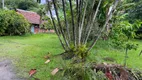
(32, 17)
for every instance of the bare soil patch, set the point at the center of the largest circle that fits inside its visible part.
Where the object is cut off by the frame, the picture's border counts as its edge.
(7, 71)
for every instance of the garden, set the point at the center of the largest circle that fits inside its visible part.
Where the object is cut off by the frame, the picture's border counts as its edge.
(93, 40)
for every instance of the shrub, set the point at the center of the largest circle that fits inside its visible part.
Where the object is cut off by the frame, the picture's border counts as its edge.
(12, 23)
(27, 5)
(47, 24)
(123, 31)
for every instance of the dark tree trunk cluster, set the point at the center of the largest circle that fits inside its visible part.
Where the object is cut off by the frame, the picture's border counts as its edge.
(76, 31)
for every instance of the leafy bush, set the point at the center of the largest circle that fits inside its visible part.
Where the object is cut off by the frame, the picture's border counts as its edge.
(21, 4)
(12, 23)
(27, 5)
(139, 36)
(123, 30)
(47, 24)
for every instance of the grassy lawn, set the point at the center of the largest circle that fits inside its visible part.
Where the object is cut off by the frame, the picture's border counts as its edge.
(27, 52)
(102, 50)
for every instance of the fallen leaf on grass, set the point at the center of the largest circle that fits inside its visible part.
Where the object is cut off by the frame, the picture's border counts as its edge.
(32, 72)
(47, 61)
(54, 71)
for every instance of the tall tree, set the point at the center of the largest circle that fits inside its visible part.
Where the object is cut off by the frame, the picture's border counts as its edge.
(84, 15)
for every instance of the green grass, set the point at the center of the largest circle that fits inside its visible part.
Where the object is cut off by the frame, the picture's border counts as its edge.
(102, 50)
(27, 52)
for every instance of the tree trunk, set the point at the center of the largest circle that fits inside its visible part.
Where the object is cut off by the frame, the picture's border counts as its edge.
(73, 26)
(60, 27)
(126, 56)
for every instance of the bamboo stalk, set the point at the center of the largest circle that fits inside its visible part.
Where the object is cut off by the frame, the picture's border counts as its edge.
(93, 3)
(106, 22)
(89, 20)
(73, 26)
(78, 19)
(81, 27)
(81, 2)
(55, 27)
(94, 18)
(65, 18)
(77, 5)
(61, 29)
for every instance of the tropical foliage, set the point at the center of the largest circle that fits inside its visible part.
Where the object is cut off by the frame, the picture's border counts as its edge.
(124, 27)
(136, 11)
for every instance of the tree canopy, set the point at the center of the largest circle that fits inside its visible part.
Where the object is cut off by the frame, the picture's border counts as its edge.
(21, 4)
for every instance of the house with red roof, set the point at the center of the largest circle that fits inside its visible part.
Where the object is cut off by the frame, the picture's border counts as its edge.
(33, 18)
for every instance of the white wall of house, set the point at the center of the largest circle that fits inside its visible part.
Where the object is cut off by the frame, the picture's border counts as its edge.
(32, 28)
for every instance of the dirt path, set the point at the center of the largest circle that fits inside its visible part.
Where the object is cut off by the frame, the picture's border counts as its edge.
(7, 72)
